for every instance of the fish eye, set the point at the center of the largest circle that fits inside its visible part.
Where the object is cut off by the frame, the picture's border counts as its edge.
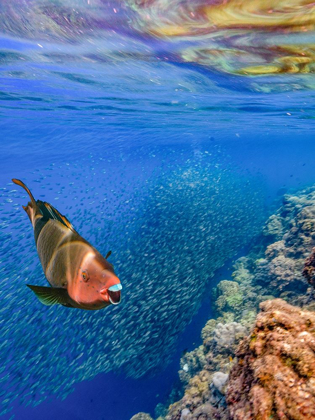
(85, 275)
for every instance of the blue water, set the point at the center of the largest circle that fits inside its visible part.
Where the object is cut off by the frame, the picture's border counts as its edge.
(171, 163)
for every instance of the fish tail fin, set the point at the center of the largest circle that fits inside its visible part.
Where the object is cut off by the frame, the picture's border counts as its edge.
(32, 207)
(21, 184)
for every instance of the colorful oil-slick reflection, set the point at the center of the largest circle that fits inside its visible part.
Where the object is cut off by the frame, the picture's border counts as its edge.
(255, 37)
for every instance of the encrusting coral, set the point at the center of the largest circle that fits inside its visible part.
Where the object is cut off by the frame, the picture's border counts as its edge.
(275, 373)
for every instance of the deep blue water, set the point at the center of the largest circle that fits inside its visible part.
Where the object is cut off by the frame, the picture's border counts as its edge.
(123, 117)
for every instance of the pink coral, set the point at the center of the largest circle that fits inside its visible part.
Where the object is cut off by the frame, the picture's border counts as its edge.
(275, 373)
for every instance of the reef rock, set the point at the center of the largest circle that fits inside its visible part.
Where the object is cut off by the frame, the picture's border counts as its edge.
(274, 376)
(273, 227)
(190, 363)
(290, 236)
(204, 372)
(219, 344)
(238, 300)
(275, 373)
(229, 297)
(141, 416)
(242, 270)
(309, 268)
(224, 338)
(219, 381)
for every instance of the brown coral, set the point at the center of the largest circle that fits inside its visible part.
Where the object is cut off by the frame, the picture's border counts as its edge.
(275, 373)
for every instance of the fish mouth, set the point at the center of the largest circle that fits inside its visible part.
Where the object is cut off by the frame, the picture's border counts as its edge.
(114, 293)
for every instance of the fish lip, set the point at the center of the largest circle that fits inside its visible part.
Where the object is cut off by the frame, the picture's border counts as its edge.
(114, 294)
(115, 287)
(115, 303)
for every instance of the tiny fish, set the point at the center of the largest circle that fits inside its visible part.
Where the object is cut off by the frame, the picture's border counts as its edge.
(80, 277)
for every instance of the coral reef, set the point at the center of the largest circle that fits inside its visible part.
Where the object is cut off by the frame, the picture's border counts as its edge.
(242, 270)
(275, 369)
(291, 235)
(230, 297)
(219, 381)
(273, 227)
(275, 372)
(238, 300)
(309, 267)
(224, 339)
(273, 377)
(204, 373)
(202, 399)
(219, 344)
(141, 416)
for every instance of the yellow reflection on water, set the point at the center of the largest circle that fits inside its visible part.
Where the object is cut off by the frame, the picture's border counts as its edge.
(252, 37)
(265, 14)
(288, 59)
(268, 60)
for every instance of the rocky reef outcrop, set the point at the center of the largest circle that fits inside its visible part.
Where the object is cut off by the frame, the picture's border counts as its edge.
(291, 236)
(141, 416)
(309, 268)
(274, 373)
(274, 376)
(204, 372)
(275, 266)
(269, 374)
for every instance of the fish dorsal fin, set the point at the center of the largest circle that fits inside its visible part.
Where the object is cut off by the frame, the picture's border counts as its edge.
(49, 212)
(50, 295)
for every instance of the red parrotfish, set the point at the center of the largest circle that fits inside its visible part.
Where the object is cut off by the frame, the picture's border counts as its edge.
(79, 276)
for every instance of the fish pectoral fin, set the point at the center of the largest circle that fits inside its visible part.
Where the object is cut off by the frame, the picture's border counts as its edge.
(50, 295)
(108, 254)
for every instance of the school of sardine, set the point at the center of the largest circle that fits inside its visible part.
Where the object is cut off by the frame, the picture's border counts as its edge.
(168, 232)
